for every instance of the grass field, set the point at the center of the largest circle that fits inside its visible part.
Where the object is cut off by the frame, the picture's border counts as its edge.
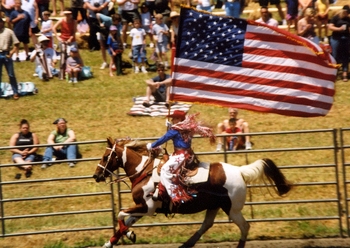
(96, 109)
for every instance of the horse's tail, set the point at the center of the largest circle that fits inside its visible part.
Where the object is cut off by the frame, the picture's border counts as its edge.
(266, 168)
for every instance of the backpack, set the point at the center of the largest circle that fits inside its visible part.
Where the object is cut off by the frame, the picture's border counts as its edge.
(24, 88)
(86, 72)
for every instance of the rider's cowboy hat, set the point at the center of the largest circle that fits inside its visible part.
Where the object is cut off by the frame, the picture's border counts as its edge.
(178, 114)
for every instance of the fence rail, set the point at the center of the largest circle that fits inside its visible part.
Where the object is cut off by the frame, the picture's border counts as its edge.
(328, 206)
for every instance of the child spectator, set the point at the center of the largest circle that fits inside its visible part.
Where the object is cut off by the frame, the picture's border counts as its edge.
(161, 32)
(322, 9)
(292, 14)
(46, 27)
(74, 65)
(45, 58)
(138, 44)
(115, 50)
(146, 19)
(234, 142)
(21, 24)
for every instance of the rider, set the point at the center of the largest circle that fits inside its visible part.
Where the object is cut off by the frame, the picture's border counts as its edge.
(181, 132)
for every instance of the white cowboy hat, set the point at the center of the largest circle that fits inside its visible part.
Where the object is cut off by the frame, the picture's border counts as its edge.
(42, 38)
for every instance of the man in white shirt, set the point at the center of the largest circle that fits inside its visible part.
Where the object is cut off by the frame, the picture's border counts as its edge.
(266, 17)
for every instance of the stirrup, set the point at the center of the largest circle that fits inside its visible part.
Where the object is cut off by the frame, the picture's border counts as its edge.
(132, 236)
(155, 194)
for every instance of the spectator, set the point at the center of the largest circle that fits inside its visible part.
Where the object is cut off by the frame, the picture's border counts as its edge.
(8, 39)
(8, 6)
(306, 26)
(146, 19)
(204, 5)
(138, 46)
(266, 17)
(43, 5)
(105, 23)
(54, 8)
(93, 7)
(32, 8)
(292, 14)
(158, 87)
(240, 123)
(74, 65)
(322, 9)
(61, 135)
(234, 143)
(303, 5)
(115, 50)
(174, 16)
(340, 39)
(77, 6)
(46, 27)
(234, 8)
(277, 3)
(129, 12)
(24, 155)
(21, 25)
(160, 33)
(45, 59)
(164, 8)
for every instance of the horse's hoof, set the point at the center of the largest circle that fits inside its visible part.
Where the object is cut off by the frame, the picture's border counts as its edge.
(107, 245)
(132, 236)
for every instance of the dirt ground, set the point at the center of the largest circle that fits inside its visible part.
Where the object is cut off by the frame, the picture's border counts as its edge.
(287, 243)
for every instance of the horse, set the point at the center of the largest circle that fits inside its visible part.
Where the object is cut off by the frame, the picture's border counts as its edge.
(225, 188)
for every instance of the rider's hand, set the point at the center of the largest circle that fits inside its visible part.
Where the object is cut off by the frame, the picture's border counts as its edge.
(149, 146)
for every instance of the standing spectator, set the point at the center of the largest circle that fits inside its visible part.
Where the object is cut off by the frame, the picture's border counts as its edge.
(204, 5)
(21, 26)
(138, 46)
(74, 65)
(8, 6)
(129, 12)
(24, 155)
(146, 19)
(158, 87)
(306, 26)
(8, 39)
(240, 123)
(44, 69)
(62, 134)
(54, 8)
(292, 14)
(160, 33)
(77, 6)
(115, 50)
(94, 7)
(43, 5)
(322, 9)
(46, 27)
(340, 39)
(277, 3)
(32, 8)
(234, 8)
(105, 23)
(266, 17)
(174, 16)
(164, 8)
(305, 4)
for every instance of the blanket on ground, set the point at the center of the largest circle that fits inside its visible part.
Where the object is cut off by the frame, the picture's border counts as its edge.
(157, 108)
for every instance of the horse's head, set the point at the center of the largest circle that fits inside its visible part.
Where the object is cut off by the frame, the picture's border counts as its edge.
(110, 161)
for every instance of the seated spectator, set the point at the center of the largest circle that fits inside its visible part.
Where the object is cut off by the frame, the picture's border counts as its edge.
(73, 65)
(46, 27)
(61, 135)
(24, 156)
(306, 26)
(158, 87)
(240, 123)
(45, 59)
(21, 24)
(266, 17)
(234, 143)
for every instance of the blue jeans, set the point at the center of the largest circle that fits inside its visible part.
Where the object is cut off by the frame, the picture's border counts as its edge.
(8, 62)
(67, 152)
(39, 70)
(340, 51)
(233, 9)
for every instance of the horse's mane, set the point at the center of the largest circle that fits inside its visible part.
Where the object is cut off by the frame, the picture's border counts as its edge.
(135, 145)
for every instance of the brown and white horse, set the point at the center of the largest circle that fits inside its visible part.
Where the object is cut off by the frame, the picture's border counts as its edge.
(225, 188)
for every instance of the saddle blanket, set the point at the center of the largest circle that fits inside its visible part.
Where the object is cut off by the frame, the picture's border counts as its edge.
(24, 88)
(156, 109)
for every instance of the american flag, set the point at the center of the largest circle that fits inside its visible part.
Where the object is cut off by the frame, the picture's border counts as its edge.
(240, 63)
